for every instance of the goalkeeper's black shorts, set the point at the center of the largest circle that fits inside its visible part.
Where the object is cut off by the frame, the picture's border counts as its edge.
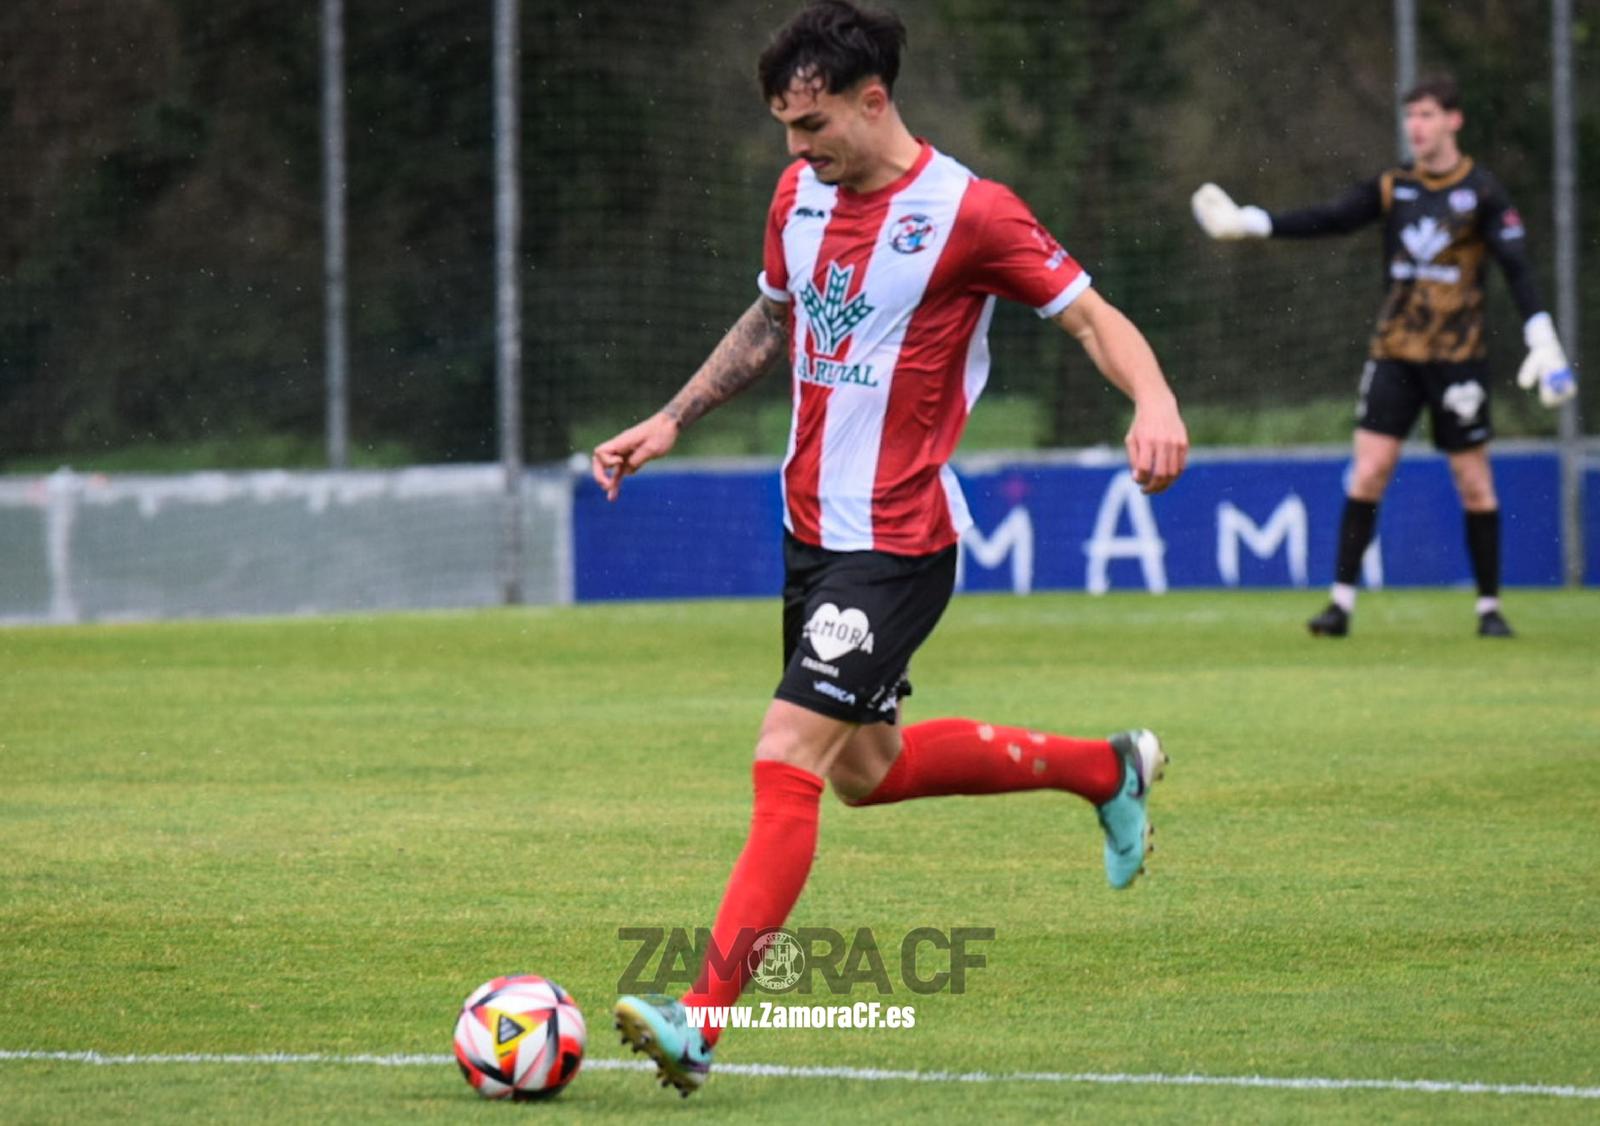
(852, 620)
(1393, 393)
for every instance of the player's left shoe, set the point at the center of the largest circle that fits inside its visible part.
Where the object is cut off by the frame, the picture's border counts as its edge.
(1126, 824)
(656, 1025)
(1492, 624)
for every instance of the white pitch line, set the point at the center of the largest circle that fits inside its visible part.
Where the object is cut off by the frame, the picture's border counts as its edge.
(863, 1074)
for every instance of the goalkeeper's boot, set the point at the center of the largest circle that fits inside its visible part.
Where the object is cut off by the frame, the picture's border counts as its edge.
(1332, 622)
(1123, 818)
(656, 1025)
(1492, 624)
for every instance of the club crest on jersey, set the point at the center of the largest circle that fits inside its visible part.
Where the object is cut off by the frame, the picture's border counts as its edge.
(833, 632)
(911, 234)
(1463, 200)
(829, 317)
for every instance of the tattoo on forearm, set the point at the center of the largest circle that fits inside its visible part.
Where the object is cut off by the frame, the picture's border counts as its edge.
(745, 354)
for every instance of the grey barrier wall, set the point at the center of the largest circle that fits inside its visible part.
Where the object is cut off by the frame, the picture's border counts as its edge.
(85, 547)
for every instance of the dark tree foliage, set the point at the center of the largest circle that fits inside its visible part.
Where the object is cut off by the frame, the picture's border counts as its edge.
(161, 242)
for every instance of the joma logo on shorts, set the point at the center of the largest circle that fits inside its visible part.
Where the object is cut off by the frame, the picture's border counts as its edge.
(840, 694)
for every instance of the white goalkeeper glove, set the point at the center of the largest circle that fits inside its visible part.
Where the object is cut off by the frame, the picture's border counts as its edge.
(1224, 219)
(1546, 366)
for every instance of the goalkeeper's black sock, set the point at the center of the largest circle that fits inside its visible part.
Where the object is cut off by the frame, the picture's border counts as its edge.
(1483, 545)
(1360, 520)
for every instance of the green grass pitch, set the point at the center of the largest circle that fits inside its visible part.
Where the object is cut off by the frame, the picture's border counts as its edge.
(1379, 858)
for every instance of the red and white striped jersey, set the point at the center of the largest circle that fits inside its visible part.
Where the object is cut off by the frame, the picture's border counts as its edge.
(890, 295)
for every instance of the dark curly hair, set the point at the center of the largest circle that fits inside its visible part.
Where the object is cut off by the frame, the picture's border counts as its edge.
(1440, 87)
(835, 44)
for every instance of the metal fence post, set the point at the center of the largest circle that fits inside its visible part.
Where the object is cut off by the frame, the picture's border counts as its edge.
(1564, 189)
(336, 334)
(1405, 69)
(508, 309)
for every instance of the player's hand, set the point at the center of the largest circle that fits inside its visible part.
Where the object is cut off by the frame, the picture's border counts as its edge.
(1546, 366)
(1221, 218)
(1157, 444)
(615, 459)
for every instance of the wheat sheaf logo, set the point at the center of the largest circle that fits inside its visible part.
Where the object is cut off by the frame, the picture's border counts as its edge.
(1425, 238)
(829, 316)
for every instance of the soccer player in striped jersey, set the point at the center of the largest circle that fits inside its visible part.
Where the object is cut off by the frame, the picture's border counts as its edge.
(1443, 215)
(883, 260)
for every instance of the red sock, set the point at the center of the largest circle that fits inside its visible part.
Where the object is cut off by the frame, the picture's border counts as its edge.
(766, 880)
(962, 756)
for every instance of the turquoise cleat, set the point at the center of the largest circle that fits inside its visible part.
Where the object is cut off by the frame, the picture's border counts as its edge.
(655, 1025)
(1123, 817)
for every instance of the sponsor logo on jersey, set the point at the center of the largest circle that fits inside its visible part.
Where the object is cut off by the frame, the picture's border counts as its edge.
(833, 632)
(1464, 400)
(1055, 253)
(1463, 200)
(831, 373)
(911, 234)
(1409, 271)
(1403, 192)
(1425, 238)
(829, 317)
(809, 213)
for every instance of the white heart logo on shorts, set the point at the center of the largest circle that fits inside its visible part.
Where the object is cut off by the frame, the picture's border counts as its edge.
(1465, 399)
(834, 632)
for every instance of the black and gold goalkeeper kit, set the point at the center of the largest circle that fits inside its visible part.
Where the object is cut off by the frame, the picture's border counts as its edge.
(1438, 232)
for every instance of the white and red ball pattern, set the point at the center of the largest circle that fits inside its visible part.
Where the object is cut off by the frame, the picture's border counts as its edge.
(519, 1036)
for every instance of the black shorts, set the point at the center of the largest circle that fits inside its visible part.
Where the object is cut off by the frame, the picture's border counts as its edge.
(1394, 392)
(851, 620)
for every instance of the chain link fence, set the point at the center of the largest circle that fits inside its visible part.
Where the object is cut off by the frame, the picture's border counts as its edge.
(161, 267)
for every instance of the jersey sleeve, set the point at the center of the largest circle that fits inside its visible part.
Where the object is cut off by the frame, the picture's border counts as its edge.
(1503, 231)
(1012, 255)
(1351, 210)
(774, 278)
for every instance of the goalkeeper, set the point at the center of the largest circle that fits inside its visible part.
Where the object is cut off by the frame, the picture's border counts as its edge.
(1442, 214)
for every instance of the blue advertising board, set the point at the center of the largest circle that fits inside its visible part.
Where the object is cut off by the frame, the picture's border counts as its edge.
(1079, 523)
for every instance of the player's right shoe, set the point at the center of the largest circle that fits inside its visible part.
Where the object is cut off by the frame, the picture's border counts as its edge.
(1126, 824)
(1492, 624)
(656, 1025)
(1332, 622)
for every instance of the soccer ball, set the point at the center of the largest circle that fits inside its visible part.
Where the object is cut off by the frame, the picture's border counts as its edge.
(519, 1036)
